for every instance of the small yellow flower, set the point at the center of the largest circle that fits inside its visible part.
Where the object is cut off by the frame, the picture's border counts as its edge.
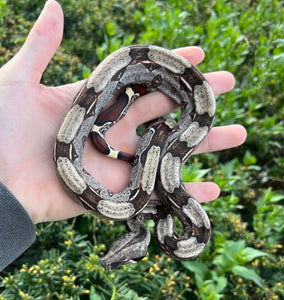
(171, 283)
(240, 280)
(24, 268)
(23, 295)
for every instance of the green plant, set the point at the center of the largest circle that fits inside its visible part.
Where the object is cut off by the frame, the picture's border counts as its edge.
(244, 259)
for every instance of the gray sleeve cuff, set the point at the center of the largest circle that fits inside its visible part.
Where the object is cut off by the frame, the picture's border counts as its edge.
(17, 231)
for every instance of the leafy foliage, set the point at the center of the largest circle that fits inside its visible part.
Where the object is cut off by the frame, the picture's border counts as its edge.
(245, 257)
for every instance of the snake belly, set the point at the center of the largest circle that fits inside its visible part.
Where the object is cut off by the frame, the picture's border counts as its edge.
(161, 153)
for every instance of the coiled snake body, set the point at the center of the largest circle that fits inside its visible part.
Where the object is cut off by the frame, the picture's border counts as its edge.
(161, 153)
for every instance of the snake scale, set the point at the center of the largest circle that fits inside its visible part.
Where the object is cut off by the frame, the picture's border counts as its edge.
(161, 153)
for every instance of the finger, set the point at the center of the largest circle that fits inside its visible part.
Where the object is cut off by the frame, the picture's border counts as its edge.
(40, 45)
(194, 55)
(156, 104)
(223, 137)
(221, 81)
(203, 191)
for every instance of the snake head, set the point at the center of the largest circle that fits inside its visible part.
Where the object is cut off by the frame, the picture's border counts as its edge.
(129, 248)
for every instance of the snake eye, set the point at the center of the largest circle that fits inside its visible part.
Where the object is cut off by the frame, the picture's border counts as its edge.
(156, 81)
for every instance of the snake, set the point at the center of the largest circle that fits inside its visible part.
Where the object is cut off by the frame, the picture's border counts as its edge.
(162, 150)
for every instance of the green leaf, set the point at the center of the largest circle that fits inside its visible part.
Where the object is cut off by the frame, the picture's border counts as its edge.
(200, 269)
(221, 283)
(279, 42)
(276, 198)
(86, 72)
(247, 274)
(94, 295)
(232, 248)
(111, 28)
(249, 159)
(249, 254)
(192, 173)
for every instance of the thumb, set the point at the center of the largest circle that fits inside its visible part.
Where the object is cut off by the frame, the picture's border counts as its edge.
(42, 42)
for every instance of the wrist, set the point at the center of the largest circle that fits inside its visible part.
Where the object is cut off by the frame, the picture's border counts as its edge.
(19, 195)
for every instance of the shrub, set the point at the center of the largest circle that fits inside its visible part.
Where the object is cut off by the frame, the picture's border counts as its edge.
(245, 257)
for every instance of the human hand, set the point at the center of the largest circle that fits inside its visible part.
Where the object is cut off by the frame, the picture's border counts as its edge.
(31, 114)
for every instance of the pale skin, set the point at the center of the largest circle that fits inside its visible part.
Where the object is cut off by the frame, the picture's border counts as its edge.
(31, 114)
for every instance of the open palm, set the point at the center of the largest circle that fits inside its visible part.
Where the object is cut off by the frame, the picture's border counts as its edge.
(31, 114)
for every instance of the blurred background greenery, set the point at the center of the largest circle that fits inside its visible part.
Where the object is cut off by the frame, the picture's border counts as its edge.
(244, 259)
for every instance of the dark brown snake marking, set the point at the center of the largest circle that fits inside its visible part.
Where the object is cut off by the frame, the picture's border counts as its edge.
(111, 116)
(161, 153)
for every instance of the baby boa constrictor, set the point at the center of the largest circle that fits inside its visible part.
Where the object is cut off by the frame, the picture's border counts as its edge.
(161, 152)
